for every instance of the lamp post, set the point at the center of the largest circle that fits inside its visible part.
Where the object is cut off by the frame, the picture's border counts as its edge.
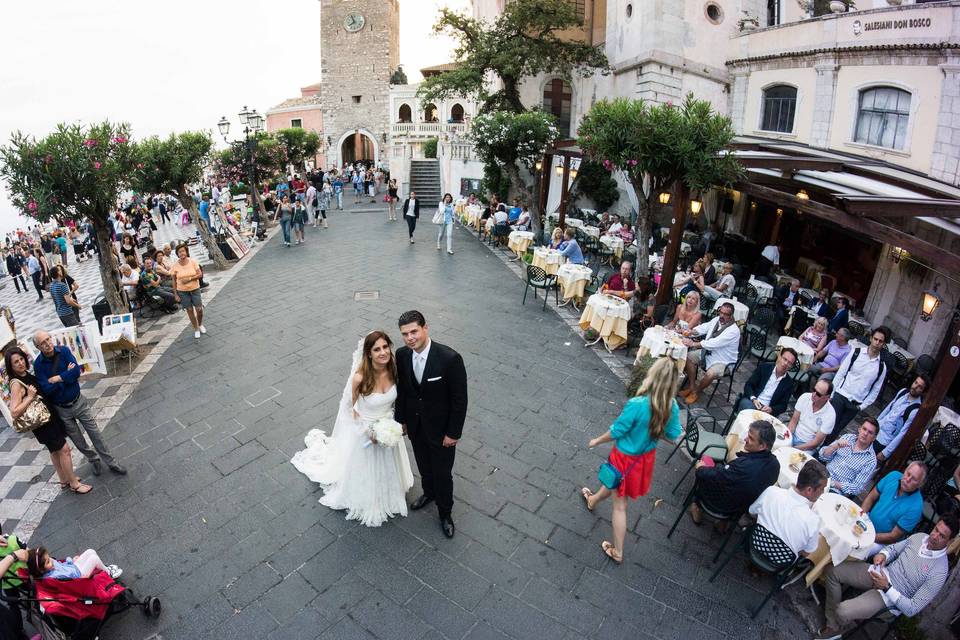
(252, 125)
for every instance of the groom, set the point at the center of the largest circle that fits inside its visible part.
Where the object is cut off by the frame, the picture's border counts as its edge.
(431, 405)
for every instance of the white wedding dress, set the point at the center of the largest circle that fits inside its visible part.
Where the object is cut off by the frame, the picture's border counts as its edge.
(370, 481)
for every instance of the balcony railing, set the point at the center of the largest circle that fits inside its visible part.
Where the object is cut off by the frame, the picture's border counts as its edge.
(457, 151)
(427, 129)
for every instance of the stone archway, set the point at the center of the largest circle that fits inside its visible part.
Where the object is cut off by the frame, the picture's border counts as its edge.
(358, 146)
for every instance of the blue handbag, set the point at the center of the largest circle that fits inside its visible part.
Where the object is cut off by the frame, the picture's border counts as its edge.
(610, 477)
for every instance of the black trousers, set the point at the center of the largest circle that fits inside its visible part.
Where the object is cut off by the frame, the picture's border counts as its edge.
(435, 463)
(38, 283)
(164, 216)
(846, 411)
(18, 279)
(411, 224)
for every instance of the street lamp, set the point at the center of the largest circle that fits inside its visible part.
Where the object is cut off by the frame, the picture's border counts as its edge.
(224, 126)
(252, 124)
(695, 206)
(244, 115)
(931, 300)
(665, 197)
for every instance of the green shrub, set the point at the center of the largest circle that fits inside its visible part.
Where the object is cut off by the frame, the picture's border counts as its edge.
(430, 148)
(594, 182)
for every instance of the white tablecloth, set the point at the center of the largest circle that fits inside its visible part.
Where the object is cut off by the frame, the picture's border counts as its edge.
(573, 222)
(741, 425)
(946, 416)
(803, 350)
(547, 259)
(608, 315)
(592, 231)
(764, 289)
(518, 241)
(836, 527)
(740, 311)
(615, 244)
(572, 279)
(788, 476)
(659, 342)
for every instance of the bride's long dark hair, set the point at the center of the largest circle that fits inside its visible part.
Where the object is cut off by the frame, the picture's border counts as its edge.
(368, 376)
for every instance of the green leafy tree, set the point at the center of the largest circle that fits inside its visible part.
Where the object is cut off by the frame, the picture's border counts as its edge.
(76, 172)
(230, 164)
(657, 146)
(594, 182)
(524, 41)
(430, 148)
(511, 140)
(169, 166)
(299, 144)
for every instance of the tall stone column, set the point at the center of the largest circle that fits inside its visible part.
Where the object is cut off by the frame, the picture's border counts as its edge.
(738, 98)
(945, 160)
(823, 102)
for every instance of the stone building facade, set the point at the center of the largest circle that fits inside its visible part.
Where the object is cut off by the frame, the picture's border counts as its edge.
(359, 49)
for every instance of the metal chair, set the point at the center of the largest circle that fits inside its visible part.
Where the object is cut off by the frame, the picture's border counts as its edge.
(924, 365)
(699, 441)
(856, 329)
(750, 297)
(762, 317)
(706, 496)
(537, 278)
(769, 553)
(899, 369)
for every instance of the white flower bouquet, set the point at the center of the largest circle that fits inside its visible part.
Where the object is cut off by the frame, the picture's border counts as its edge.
(387, 432)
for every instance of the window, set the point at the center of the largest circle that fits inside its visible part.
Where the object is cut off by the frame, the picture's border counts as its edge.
(773, 12)
(882, 116)
(296, 123)
(581, 8)
(713, 12)
(356, 99)
(558, 100)
(430, 113)
(405, 115)
(456, 113)
(779, 107)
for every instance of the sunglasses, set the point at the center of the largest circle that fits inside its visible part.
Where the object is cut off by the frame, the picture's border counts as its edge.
(818, 394)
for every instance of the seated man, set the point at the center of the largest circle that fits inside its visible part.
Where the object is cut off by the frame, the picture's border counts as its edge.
(621, 284)
(151, 282)
(715, 344)
(906, 576)
(738, 484)
(813, 417)
(851, 461)
(770, 386)
(523, 222)
(827, 361)
(129, 278)
(788, 513)
(724, 286)
(897, 417)
(786, 298)
(895, 505)
(514, 214)
(841, 317)
(821, 306)
(569, 248)
(615, 226)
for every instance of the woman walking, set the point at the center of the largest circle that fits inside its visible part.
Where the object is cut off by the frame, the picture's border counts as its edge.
(392, 197)
(285, 210)
(24, 392)
(445, 208)
(323, 203)
(651, 414)
(64, 300)
(186, 287)
(299, 220)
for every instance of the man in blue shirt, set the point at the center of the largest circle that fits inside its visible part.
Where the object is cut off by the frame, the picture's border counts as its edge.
(205, 211)
(569, 248)
(514, 214)
(58, 375)
(895, 505)
(896, 418)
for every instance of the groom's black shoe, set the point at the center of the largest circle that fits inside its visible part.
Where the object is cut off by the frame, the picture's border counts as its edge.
(447, 525)
(421, 502)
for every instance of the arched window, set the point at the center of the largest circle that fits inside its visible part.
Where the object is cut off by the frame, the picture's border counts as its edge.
(882, 117)
(779, 108)
(405, 115)
(430, 113)
(558, 100)
(456, 113)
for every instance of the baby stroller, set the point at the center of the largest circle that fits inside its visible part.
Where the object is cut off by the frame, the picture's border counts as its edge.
(76, 609)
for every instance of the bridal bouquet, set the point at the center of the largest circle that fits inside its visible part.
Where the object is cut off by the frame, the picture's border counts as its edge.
(387, 431)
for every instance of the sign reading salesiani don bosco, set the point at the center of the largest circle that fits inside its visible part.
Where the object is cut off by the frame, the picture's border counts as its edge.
(881, 25)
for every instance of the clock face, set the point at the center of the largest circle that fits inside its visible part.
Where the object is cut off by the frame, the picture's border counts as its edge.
(354, 22)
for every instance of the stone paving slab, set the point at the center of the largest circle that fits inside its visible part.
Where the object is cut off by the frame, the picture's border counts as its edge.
(214, 519)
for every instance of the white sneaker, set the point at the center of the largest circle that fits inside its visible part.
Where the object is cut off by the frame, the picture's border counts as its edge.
(449, 251)
(196, 334)
(114, 571)
(203, 329)
(411, 240)
(438, 247)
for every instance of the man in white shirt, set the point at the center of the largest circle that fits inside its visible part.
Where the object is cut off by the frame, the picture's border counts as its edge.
(614, 228)
(858, 381)
(724, 286)
(310, 197)
(788, 513)
(813, 417)
(769, 258)
(719, 348)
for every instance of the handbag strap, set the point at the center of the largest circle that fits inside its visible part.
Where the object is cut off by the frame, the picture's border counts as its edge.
(629, 469)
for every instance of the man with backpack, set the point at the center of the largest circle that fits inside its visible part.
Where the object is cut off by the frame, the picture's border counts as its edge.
(858, 381)
(897, 417)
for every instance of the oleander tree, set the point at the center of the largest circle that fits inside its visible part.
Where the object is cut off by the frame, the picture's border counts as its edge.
(511, 141)
(298, 144)
(76, 172)
(170, 165)
(657, 146)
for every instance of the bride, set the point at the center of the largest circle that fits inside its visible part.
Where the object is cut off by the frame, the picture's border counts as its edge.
(357, 474)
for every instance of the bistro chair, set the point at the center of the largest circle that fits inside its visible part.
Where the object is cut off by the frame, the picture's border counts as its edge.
(771, 554)
(698, 441)
(899, 369)
(856, 329)
(750, 297)
(596, 282)
(924, 364)
(762, 318)
(537, 278)
(604, 254)
(707, 496)
(706, 307)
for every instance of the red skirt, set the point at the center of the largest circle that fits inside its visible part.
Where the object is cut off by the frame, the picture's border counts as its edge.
(637, 482)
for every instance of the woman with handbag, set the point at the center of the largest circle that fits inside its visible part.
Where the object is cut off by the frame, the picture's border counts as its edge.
(628, 471)
(31, 413)
(443, 218)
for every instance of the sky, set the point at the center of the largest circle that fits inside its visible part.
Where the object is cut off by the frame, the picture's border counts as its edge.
(169, 66)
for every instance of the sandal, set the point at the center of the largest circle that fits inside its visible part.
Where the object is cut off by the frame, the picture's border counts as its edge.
(586, 493)
(79, 489)
(611, 551)
(66, 485)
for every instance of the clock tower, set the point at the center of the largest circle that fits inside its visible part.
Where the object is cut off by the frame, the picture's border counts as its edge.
(359, 49)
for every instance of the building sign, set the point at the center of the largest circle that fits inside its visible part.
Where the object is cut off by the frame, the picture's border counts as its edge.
(891, 25)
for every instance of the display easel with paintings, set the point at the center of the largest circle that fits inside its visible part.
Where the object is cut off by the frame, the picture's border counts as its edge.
(120, 336)
(234, 240)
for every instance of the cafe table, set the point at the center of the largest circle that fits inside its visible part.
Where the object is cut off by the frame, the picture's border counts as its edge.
(804, 351)
(808, 268)
(472, 215)
(547, 259)
(791, 461)
(658, 342)
(741, 425)
(764, 289)
(740, 311)
(783, 278)
(518, 241)
(810, 313)
(573, 278)
(608, 316)
(809, 294)
(838, 539)
(593, 232)
(613, 243)
(573, 222)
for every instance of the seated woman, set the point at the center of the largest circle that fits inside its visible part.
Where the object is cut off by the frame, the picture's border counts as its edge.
(130, 278)
(709, 271)
(626, 233)
(687, 315)
(41, 565)
(556, 238)
(815, 336)
(24, 390)
(692, 282)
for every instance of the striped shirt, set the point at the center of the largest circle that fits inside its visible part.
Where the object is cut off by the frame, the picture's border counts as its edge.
(915, 579)
(848, 468)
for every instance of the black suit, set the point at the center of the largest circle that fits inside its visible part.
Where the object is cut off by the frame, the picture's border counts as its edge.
(756, 383)
(431, 409)
(411, 220)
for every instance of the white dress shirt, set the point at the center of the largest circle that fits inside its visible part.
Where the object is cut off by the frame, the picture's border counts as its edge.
(420, 362)
(789, 516)
(724, 348)
(768, 389)
(857, 383)
(771, 253)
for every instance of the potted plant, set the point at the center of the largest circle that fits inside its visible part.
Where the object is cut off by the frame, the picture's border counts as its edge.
(748, 22)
